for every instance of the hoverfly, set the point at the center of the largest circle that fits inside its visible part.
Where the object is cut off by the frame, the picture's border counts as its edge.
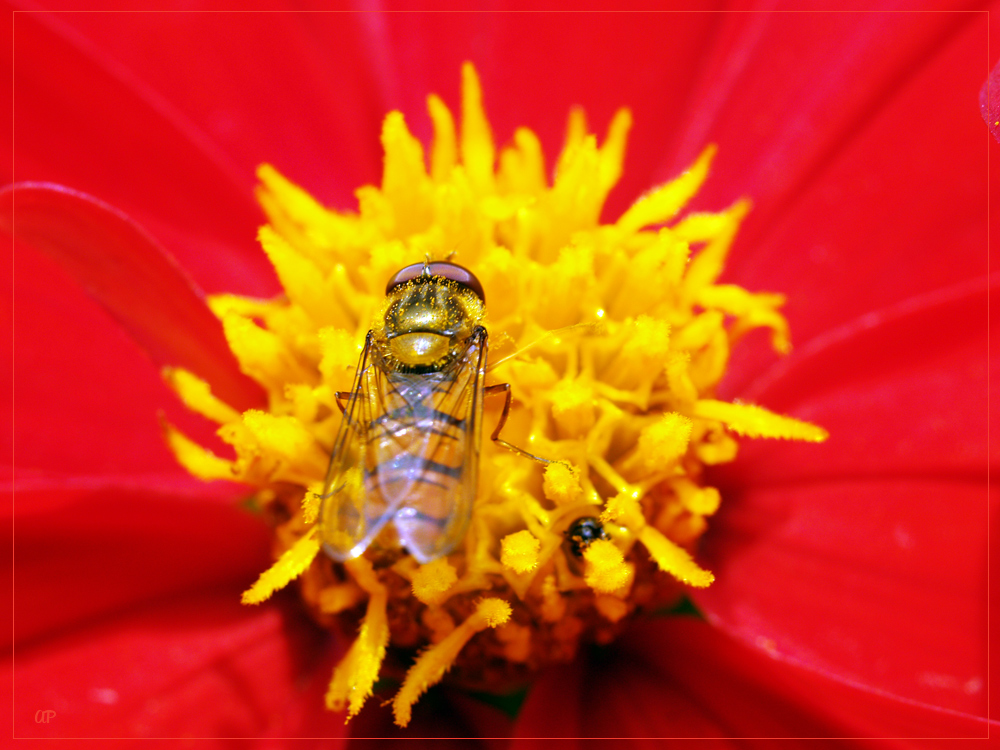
(407, 452)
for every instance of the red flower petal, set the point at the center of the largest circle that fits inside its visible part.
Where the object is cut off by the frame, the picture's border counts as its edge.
(680, 678)
(750, 694)
(902, 391)
(879, 581)
(134, 278)
(866, 208)
(623, 697)
(83, 121)
(989, 101)
(813, 87)
(84, 552)
(554, 705)
(203, 666)
(449, 719)
(868, 553)
(874, 196)
(286, 88)
(85, 395)
(669, 678)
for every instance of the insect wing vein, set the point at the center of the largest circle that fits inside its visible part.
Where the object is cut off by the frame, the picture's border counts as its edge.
(442, 463)
(351, 516)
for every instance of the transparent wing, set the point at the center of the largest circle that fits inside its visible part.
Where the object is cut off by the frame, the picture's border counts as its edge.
(348, 521)
(406, 452)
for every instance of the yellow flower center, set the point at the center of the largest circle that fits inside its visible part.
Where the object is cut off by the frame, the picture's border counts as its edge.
(612, 338)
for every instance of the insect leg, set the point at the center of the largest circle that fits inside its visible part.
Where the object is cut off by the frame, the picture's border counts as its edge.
(495, 437)
(342, 398)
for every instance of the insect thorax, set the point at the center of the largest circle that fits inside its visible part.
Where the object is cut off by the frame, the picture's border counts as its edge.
(426, 324)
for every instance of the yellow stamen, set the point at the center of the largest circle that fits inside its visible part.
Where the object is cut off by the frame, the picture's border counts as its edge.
(519, 551)
(576, 133)
(613, 149)
(664, 202)
(755, 421)
(445, 151)
(432, 581)
(476, 140)
(624, 508)
(640, 358)
(607, 571)
(299, 218)
(199, 461)
(292, 451)
(435, 661)
(611, 607)
(405, 184)
(197, 395)
(701, 500)
(673, 559)
(338, 597)
(561, 483)
(573, 408)
(681, 386)
(303, 281)
(262, 355)
(311, 502)
(717, 231)
(522, 166)
(660, 443)
(670, 557)
(288, 567)
(553, 604)
(339, 350)
(357, 672)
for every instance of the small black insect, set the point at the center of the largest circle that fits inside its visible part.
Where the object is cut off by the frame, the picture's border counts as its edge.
(581, 533)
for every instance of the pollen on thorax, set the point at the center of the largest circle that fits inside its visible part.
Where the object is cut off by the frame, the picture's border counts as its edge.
(612, 335)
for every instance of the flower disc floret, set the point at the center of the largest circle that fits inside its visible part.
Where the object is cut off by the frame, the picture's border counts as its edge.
(613, 338)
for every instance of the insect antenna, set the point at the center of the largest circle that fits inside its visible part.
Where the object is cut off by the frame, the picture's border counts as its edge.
(595, 329)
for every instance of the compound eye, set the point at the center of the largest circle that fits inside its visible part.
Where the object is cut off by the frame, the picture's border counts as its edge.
(441, 269)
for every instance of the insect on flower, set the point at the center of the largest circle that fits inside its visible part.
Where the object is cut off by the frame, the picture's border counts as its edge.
(405, 460)
(581, 533)
(626, 411)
